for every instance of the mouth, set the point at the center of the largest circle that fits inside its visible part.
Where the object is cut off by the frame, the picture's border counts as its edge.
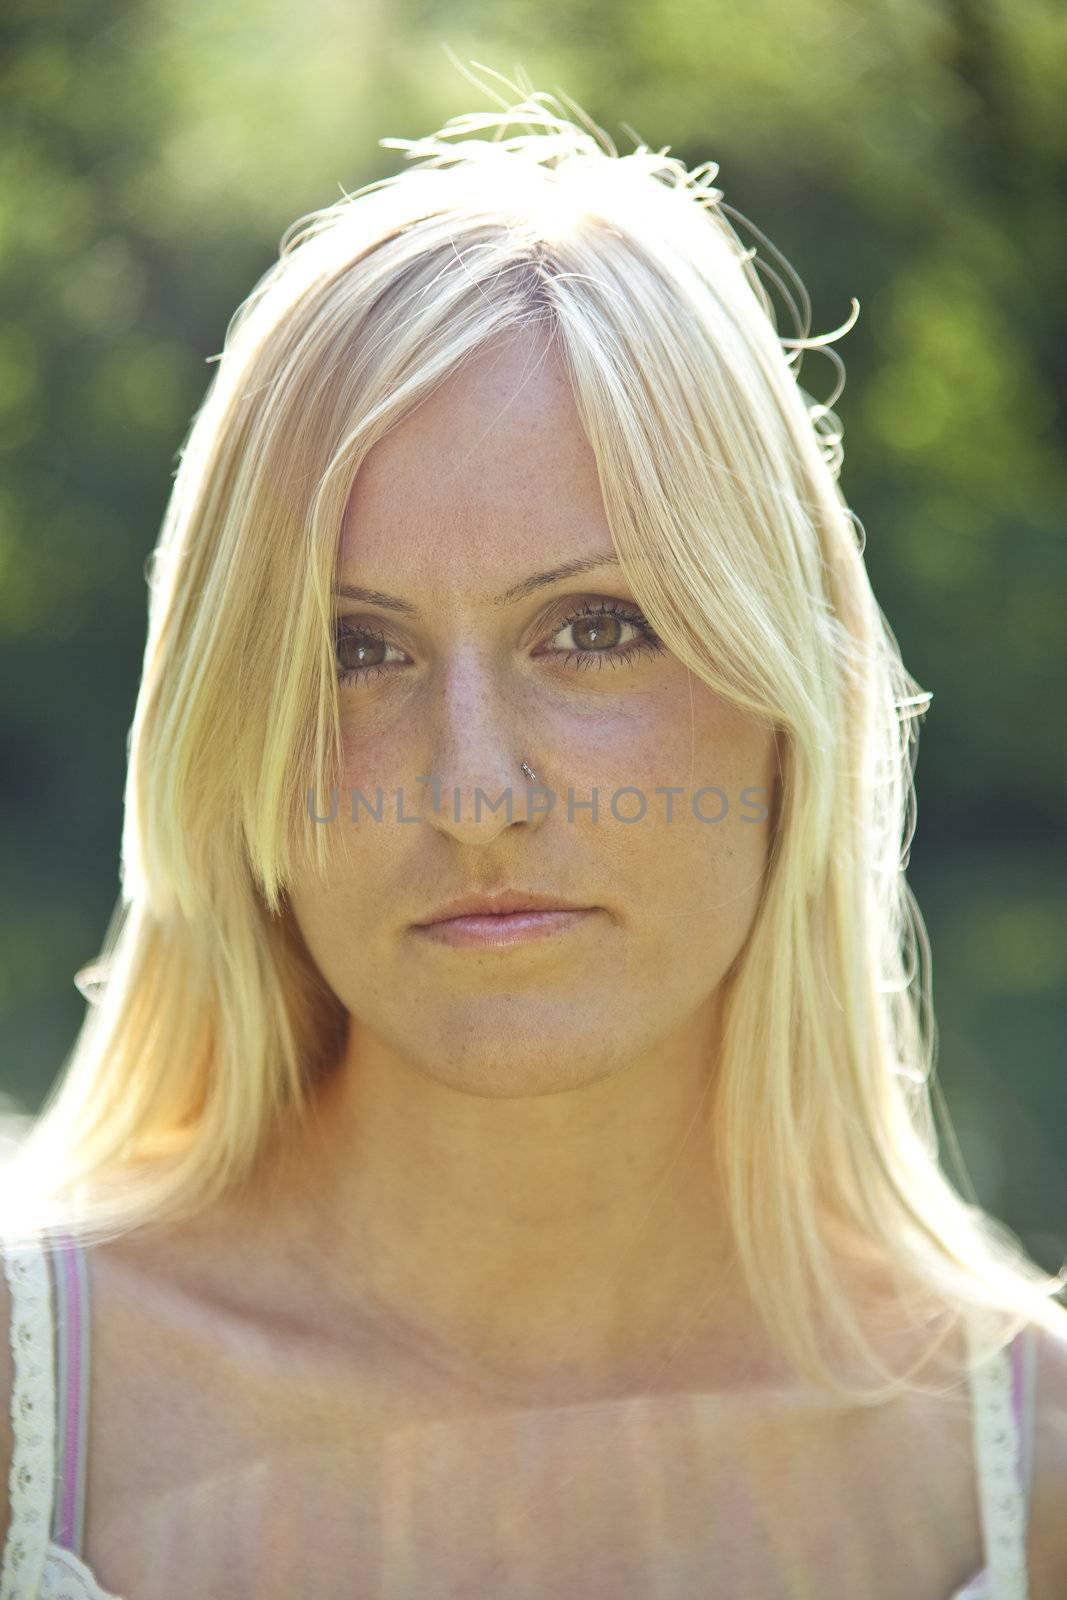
(500, 930)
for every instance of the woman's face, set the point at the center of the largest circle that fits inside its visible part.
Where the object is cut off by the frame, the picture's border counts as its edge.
(490, 483)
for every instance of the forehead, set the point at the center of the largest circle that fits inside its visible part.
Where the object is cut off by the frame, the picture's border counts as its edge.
(488, 475)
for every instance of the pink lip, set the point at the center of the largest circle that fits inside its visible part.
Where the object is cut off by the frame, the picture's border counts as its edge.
(500, 930)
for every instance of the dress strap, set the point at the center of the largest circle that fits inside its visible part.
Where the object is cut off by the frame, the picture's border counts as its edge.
(72, 1384)
(31, 1480)
(1000, 1410)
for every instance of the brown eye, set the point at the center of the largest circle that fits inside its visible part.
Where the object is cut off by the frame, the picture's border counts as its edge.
(355, 650)
(599, 633)
(605, 631)
(360, 654)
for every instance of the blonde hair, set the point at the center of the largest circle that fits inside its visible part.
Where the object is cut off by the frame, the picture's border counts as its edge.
(210, 1026)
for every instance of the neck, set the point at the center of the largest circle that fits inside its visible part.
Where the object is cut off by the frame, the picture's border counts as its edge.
(557, 1237)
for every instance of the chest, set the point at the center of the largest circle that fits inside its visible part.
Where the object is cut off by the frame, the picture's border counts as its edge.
(251, 1477)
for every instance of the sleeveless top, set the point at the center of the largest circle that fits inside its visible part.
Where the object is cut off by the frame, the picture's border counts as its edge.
(49, 1413)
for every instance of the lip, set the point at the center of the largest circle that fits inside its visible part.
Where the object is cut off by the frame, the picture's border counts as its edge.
(505, 903)
(502, 929)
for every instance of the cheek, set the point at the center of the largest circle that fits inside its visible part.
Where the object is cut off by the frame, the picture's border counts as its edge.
(341, 914)
(681, 734)
(696, 880)
(720, 762)
(315, 910)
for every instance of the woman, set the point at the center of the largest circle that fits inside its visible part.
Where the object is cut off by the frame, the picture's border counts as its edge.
(501, 1141)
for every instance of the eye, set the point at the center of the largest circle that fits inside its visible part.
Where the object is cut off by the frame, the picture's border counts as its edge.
(597, 630)
(360, 653)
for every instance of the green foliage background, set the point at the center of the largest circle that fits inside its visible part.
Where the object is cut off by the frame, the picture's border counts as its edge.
(911, 154)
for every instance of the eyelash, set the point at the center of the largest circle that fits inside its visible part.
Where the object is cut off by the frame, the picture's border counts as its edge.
(649, 643)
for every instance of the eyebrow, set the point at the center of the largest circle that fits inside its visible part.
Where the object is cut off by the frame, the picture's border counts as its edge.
(528, 586)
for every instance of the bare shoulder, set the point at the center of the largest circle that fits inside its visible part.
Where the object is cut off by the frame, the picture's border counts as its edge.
(1047, 1533)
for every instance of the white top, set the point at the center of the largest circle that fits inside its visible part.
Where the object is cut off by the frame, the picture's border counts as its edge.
(41, 1553)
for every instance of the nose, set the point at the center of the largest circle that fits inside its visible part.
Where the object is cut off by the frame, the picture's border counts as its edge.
(476, 787)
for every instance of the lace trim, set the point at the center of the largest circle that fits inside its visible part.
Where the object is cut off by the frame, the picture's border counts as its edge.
(31, 1480)
(66, 1577)
(1001, 1495)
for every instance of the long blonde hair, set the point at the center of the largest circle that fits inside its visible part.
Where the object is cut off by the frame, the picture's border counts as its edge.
(210, 1026)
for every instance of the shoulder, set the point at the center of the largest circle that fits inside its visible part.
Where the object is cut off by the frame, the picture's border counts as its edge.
(1047, 1527)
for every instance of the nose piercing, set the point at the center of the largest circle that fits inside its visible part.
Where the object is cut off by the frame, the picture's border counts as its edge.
(529, 774)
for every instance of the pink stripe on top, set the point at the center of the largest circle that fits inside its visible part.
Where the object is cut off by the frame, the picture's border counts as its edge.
(72, 1378)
